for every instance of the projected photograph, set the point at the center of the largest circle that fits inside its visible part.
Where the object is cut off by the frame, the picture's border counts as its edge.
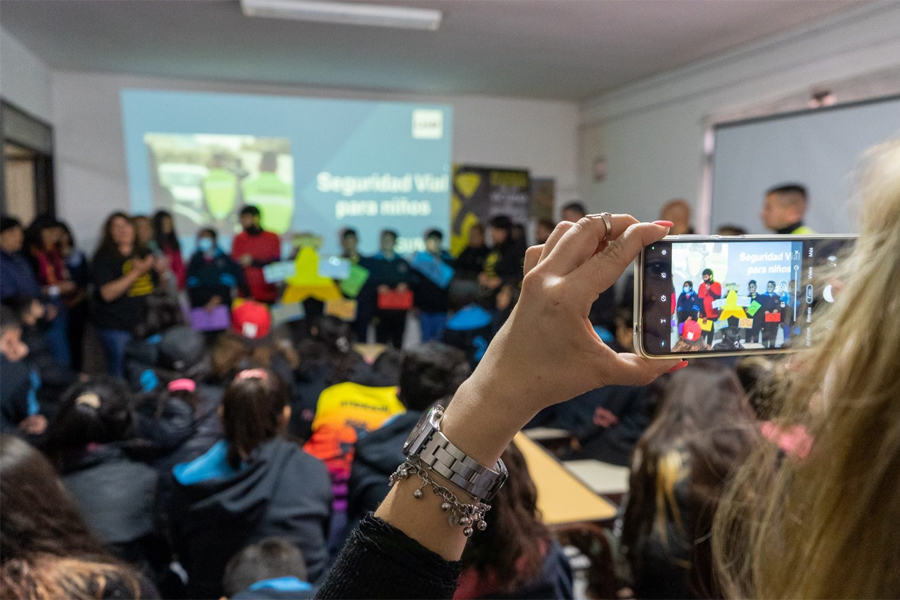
(204, 180)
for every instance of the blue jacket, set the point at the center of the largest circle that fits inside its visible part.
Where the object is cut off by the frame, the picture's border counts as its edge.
(17, 277)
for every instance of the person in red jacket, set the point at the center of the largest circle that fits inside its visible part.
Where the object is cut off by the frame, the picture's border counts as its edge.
(254, 248)
(709, 291)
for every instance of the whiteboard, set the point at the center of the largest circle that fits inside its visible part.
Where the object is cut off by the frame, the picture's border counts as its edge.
(820, 149)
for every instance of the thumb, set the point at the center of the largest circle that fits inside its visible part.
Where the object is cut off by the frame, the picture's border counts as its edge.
(630, 369)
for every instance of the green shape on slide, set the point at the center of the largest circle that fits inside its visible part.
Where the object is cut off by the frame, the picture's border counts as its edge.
(754, 306)
(220, 190)
(354, 283)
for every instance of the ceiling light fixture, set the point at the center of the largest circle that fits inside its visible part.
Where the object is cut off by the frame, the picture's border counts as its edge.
(345, 13)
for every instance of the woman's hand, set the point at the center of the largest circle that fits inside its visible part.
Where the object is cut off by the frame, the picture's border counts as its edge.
(548, 351)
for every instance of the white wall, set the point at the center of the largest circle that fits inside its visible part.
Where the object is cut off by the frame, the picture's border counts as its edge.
(652, 132)
(90, 156)
(24, 79)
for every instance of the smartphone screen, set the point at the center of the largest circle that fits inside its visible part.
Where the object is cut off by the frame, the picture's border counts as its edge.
(720, 295)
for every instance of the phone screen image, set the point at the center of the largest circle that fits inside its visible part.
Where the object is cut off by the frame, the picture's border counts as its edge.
(734, 295)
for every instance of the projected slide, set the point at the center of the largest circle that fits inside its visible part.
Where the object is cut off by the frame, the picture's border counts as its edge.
(310, 165)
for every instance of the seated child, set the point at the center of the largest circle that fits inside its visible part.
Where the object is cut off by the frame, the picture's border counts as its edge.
(19, 408)
(271, 569)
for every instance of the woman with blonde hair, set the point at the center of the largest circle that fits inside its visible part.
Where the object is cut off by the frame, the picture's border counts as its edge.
(824, 525)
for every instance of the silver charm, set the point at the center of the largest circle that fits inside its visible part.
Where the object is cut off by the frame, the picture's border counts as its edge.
(482, 525)
(404, 473)
(467, 532)
(446, 506)
(417, 494)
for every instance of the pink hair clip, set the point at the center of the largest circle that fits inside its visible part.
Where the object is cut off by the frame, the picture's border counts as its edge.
(183, 385)
(252, 374)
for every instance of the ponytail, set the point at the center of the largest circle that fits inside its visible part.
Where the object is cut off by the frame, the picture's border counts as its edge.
(252, 410)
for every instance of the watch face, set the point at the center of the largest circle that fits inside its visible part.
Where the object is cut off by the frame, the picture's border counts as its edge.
(417, 431)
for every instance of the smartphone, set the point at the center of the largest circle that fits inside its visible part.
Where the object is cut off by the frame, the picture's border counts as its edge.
(698, 296)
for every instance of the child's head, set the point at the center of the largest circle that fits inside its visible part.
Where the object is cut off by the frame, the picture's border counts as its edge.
(270, 558)
(386, 368)
(254, 410)
(97, 411)
(434, 240)
(462, 293)
(431, 372)
(11, 345)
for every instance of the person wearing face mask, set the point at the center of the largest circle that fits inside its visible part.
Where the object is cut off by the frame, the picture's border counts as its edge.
(688, 306)
(212, 275)
(254, 248)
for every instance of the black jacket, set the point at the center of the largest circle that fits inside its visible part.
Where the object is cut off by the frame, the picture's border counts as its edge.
(216, 511)
(378, 453)
(117, 497)
(55, 377)
(471, 262)
(215, 277)
(614, 440)
(19, 384)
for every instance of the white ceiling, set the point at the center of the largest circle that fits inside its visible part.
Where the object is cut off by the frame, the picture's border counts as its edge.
(562, 49)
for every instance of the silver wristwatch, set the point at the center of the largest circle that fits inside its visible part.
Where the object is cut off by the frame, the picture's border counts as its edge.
(434, 450)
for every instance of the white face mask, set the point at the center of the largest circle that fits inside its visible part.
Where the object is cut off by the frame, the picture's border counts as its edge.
(687, 290)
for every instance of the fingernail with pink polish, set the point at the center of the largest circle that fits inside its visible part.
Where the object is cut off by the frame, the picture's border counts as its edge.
(664, 223)
(678, 367)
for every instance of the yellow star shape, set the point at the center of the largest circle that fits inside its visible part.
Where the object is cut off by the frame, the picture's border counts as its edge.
(731, 308)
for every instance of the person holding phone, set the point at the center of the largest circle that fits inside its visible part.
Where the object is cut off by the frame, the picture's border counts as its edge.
(546, 353)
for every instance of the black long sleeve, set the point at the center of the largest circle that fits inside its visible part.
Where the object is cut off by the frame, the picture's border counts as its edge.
(380, 561)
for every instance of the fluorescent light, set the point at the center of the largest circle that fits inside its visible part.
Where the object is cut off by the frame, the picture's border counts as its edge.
(345, 13)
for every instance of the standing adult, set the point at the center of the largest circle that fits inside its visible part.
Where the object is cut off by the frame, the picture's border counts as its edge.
(688, 305)
(123, 279)
(785, 208)
(255, 248)
(573, 211)
(42, 239)
(212, 275)
(772, 310)
(390, 274)
(76, 302)
(167, 242)
(678, 212)
(143, 231)
(433, 288)
(471, 261)
(17, 278)
(710, 291)
(504, 262)
(752, 334)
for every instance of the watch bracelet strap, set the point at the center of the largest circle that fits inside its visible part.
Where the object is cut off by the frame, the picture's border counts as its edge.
(454, 465)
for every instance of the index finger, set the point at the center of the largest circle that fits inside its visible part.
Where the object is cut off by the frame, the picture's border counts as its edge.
(584, 240)
(603, 269)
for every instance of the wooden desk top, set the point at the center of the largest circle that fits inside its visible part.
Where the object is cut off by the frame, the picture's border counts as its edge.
(601, 477)
(562, 497)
